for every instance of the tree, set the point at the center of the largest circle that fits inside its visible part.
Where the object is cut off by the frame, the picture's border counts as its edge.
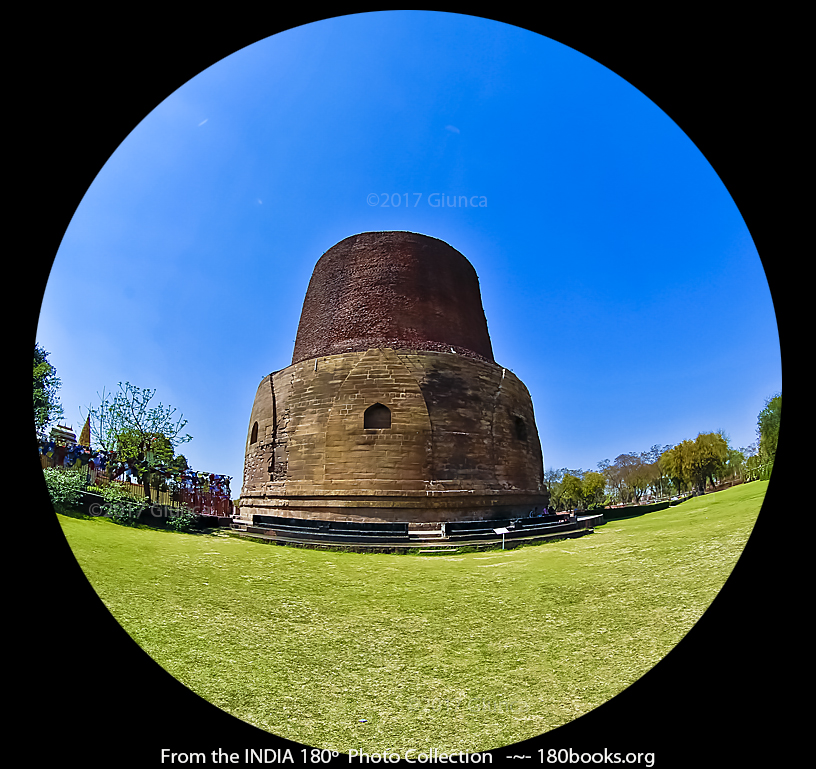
(562, 489)
(594, 486)
(676, 464)
(735, 464)
(179, 463)
(47, 408)
(653, 454)
(552, 481)
(572, 491)
(627, 477)
(133, 443)
(708, 459)
(691, 463)
(768, 423)
(144, 435)
(753, 469)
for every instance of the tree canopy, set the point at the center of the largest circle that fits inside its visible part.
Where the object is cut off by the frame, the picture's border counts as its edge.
(630, 475)
(663, 471)
(691, 463)
(145, 435)
(593, 486)
(768, 423)
(47, 408)
(126, 423)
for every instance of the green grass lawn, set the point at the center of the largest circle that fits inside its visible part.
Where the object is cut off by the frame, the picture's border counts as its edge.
(467, 652)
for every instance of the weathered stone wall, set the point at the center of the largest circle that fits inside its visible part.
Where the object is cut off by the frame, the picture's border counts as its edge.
(462, 442)
(485, 436)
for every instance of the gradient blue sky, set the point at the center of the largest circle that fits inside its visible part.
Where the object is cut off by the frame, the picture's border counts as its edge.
(618, 278)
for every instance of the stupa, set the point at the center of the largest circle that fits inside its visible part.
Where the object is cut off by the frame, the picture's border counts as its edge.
(393, 408)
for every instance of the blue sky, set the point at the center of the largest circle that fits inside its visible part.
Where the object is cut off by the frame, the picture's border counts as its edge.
(619, 281)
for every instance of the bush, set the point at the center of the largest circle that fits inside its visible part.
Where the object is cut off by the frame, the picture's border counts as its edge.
(185, 520)
(118, 505)
(65, 486)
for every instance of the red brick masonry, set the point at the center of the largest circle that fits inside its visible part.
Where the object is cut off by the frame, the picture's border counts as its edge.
(398, 290)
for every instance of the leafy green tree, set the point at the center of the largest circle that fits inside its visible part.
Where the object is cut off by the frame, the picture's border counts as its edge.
(642, 476)
(653, 471)
(47, 408)
(552, 477)
(676, 464)
(768, 423)
(708, 459)
(735, 464)
(753, 468)
(572, 491)
(593, 488)
(154, 447)
(147, 435)
(690, 463)
(179, 463)
(555, 485)
(627, 477)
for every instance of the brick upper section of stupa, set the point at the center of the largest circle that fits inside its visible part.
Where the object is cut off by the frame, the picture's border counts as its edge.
(397, 290)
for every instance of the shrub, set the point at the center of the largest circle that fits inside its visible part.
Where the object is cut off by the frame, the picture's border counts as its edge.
(65, 486)
(120, 506)
(184, 520)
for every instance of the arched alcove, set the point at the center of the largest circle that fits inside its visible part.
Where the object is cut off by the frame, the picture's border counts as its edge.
(377, 417)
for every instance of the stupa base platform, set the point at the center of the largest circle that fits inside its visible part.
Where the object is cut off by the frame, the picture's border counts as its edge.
(422, 538)
(403, 507)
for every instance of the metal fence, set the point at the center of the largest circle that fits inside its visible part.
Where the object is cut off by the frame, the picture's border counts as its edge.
(193, 492)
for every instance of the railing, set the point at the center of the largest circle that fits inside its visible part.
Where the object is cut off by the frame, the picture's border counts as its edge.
(208, 503)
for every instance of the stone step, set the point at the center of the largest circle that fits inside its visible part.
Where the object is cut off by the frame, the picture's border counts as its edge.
(404, 546)
(427, 542)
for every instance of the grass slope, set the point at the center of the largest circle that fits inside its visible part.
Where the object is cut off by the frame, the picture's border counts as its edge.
(468, 652)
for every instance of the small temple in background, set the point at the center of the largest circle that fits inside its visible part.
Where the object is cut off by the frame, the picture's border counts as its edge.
(63, 436)
(85, 435)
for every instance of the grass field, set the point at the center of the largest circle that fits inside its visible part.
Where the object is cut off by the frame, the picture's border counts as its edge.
(471, 652)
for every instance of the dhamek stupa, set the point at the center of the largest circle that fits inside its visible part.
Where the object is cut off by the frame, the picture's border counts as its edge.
(393, 409)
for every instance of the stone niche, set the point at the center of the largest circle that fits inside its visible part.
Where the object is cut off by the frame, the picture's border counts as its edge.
(393, 409)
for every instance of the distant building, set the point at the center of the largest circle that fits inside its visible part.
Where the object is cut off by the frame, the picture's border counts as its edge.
(85, 434)
(63, 436)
